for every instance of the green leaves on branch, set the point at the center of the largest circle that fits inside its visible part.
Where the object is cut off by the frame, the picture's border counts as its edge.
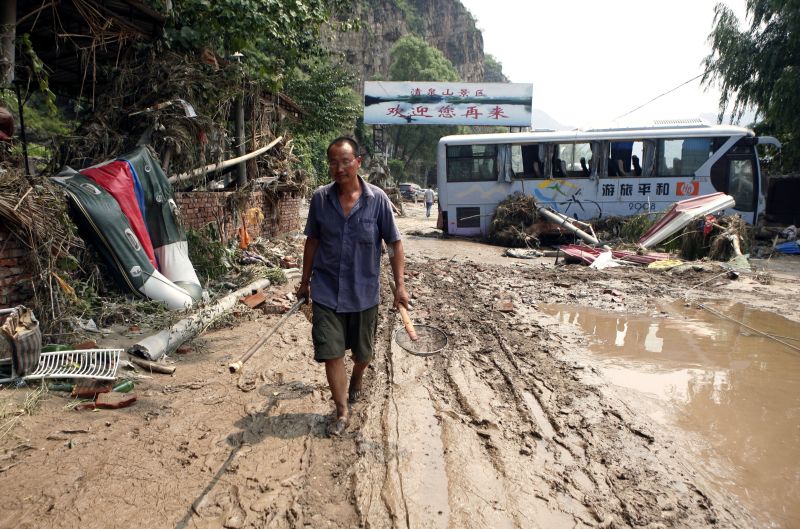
(412, 59)
(759, 68)
(324, 91)
(272, 34)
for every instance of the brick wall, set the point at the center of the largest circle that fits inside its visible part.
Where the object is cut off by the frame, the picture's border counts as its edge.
(266, 214)
(15, 266)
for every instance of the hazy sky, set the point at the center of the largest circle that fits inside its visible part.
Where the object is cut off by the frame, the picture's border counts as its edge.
(591, 61)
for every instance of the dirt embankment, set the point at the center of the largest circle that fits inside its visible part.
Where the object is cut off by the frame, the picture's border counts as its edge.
(503, 429)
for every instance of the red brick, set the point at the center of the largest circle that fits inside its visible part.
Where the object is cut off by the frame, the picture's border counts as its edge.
(254, 300)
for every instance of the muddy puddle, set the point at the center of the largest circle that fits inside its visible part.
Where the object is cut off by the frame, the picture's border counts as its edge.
(734, 394)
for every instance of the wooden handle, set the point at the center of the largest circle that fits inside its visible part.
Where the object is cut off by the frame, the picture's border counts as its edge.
(412, 333)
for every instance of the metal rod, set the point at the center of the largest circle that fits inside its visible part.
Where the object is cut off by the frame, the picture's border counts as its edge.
(236, 366)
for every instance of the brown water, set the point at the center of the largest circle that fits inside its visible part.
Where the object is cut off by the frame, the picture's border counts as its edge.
(736, 392)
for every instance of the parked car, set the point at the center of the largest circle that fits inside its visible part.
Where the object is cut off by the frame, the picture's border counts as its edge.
(411, 191)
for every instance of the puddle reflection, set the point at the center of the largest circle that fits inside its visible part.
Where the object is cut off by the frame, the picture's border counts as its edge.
(711, 377)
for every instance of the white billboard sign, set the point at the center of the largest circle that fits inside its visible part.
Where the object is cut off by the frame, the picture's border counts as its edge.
(456, 103)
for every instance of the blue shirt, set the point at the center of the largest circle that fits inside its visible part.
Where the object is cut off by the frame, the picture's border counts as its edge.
(345, 273)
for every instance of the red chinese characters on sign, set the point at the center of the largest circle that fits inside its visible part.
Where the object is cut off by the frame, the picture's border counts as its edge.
(497, 113)
(421, 112)
(447, 92)
(395, 111)
(447, 111)
(472, 112)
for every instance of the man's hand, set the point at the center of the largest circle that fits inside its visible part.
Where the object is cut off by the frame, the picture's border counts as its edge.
(303, 291)
(400, 296)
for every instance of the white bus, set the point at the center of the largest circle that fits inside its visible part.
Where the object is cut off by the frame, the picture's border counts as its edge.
(594, 173)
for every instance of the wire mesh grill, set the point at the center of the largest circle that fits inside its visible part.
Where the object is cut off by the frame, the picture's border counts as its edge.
(100, 364)
(430, 340)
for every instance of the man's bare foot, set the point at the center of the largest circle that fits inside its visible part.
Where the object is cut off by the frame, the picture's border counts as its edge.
(337, 427)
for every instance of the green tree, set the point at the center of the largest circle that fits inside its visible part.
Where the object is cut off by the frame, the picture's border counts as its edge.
(412, 59)
(759, 68)
(323, 90)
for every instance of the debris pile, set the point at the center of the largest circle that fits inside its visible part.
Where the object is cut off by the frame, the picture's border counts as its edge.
(691, 229)
(623, 230)
(513, 221)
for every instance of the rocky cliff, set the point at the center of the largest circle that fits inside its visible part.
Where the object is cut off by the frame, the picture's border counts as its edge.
(444, 24)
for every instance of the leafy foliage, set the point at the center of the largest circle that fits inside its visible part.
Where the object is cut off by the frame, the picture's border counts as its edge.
(323, 90)
(760, 67)
(310, 148)
(412, 59)
(39, 120)
(207, 253)
(273, 35)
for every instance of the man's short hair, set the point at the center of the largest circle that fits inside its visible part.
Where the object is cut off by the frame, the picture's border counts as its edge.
(345, 139)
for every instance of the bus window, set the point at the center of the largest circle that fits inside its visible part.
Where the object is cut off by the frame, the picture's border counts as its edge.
(468, 217)
(567, 161)
(626, 158)
(741, 183)
(619, 160)
(682, 157)
(471, 163)
(526, 161)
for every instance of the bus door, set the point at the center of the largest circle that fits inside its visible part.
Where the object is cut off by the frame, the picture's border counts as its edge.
(735, 174)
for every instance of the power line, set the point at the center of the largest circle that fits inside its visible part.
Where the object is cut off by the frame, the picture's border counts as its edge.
(660, 95)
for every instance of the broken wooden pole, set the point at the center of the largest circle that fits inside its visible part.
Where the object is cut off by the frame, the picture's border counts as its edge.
(168, 340)
(225, 164)
(153, 367)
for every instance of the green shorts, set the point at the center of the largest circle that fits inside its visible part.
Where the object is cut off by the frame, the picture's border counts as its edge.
(334, 332)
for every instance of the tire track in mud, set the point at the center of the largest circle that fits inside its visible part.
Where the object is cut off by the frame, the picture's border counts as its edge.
(523, 438)
(521, 434)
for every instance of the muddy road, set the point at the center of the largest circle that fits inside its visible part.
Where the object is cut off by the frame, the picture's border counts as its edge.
(513, 425)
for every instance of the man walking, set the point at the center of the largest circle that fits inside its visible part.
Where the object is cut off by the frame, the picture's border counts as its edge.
(347, 220)
(428, 201)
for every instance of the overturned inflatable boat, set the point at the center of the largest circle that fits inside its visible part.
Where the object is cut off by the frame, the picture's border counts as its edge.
(126, 208)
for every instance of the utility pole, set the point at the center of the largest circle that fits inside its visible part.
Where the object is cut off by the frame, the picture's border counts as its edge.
(241, 141)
